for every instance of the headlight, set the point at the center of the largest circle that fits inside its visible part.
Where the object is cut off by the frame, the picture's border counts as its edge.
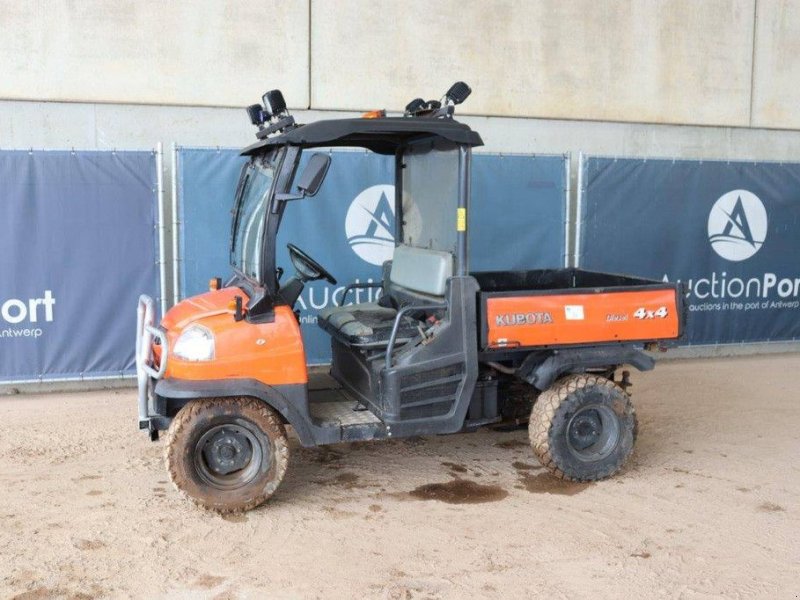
(196, 343)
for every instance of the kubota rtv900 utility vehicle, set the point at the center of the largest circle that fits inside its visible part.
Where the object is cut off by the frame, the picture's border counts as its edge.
(444, 349)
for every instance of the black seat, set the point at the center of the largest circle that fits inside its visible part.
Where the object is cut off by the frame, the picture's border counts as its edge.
(417, 276)
(368, 324)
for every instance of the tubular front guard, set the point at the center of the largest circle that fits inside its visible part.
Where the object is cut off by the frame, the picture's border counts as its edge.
(146, 371)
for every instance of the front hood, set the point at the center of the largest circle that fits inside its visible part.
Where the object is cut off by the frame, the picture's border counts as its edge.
(197, 308)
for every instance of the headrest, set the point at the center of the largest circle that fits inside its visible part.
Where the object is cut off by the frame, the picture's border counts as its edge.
(420, 270)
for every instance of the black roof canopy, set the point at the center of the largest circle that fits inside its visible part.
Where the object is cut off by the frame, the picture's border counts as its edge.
(382, 135)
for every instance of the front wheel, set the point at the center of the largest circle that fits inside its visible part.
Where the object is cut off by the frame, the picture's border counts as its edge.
(227, 454)
(583, 428)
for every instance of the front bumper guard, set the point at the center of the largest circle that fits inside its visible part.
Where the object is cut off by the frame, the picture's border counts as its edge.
(146, 372)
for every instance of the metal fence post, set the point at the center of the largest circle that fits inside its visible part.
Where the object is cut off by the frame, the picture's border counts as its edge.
(162, 234)
(576, 259)
(567, 208)
(176, 230)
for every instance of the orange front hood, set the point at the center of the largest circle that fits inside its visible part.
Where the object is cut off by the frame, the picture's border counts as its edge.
(270, 352)
(199, 307)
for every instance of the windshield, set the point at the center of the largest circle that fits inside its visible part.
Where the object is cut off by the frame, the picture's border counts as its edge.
(248, 229)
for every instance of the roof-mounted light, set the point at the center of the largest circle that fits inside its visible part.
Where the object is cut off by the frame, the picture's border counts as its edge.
(273, 112)
(274, 103)
(256, 114)
(439, 109)
(374, 114)
(414, 106)
(457, 93)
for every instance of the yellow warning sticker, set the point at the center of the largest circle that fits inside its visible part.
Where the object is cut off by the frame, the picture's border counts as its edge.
(461, 219)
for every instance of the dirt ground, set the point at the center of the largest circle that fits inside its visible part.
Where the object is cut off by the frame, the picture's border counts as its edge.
(707, 508)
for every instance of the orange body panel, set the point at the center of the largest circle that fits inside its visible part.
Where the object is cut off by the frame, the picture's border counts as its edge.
(271, 353)
(554, 319)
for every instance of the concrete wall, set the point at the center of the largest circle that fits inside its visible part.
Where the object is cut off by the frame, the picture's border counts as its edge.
(150, 51)
(583, 59)
(703, 62)
(776, 72)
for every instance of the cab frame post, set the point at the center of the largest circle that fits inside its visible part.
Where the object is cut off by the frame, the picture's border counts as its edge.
(464, 190)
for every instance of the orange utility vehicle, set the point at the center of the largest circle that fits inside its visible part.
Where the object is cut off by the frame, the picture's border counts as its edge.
(443, 350)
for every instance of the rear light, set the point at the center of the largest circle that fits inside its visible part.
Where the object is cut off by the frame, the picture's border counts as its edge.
(214, 284)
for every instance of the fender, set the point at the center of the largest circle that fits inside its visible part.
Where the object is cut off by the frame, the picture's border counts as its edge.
(290, 401)
(542, 372)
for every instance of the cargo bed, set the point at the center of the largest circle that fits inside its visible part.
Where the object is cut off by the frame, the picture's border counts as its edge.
(561, 307)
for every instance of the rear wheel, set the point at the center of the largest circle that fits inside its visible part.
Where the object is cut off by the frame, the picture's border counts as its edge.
(227, 454)
(583, 428)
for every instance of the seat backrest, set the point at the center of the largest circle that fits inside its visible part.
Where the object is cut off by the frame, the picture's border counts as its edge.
(421, 271)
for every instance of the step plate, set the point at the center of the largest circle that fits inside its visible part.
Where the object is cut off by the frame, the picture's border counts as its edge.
(331, 407)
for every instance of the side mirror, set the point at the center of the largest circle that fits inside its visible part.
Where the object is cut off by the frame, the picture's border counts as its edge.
(314, 174)
(310, 179)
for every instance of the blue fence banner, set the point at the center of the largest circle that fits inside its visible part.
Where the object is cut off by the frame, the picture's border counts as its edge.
(517, 221)
(518, 212)
(206, 182)
(729, 230)
(78, 245)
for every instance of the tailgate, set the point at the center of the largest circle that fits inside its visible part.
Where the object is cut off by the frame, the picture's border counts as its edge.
(581, 316)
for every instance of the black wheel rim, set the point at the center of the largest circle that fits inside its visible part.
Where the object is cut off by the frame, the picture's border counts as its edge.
(593, 432)
(229, 456)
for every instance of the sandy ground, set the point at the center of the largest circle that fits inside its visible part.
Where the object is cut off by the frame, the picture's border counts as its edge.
(707, 508)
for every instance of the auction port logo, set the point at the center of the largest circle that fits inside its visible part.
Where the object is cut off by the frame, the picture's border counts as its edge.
(737, 225)
(18, 313)
(370, 225)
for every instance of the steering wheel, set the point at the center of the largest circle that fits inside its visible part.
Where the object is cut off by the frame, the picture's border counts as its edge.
(307, 268)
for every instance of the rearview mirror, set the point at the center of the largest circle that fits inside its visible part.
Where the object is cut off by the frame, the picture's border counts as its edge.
(314, 174)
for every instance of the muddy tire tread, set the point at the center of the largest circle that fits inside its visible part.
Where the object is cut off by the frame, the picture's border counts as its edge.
(544, 411)
(191, 411)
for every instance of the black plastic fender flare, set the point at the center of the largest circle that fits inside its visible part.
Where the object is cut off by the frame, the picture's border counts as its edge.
(541, 371)
(290, 401)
